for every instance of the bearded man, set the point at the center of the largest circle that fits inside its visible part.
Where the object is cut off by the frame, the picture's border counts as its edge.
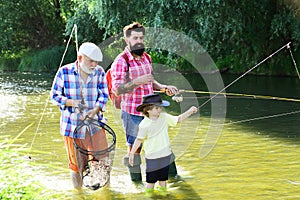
(132, 78)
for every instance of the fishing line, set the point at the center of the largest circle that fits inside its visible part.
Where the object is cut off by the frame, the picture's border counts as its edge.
(263, 117)
(74, 30)
(264, 60)
(67, 46)
(295, 64)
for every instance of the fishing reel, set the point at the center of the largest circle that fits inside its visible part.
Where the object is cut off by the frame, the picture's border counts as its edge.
(178, 98)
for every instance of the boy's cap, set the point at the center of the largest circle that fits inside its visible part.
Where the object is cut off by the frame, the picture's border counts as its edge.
(91, 50)
(152, 99)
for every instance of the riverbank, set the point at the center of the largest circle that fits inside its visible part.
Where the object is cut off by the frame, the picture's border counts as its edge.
(49, 60)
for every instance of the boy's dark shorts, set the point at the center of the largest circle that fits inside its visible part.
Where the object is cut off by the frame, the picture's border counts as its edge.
(157, 169)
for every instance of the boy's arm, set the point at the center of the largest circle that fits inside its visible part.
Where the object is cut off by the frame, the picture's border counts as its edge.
(136, 145)
(187, 113)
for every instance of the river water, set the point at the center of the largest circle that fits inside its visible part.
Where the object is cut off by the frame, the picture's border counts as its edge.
(249, 151)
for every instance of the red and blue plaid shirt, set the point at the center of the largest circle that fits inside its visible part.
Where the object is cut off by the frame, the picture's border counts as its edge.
(66, 85)
(136, 68)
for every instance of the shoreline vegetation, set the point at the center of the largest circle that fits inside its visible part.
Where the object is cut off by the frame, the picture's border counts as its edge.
(226, 31)
(48, 60)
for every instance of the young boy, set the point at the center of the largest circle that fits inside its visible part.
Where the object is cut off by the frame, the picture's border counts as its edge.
(153, 130)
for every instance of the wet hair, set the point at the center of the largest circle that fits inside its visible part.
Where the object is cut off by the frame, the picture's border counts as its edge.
(135, 26)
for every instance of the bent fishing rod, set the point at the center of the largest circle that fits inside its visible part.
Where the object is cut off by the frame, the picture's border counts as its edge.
(225, 94)
(178, 98)
(248, 71)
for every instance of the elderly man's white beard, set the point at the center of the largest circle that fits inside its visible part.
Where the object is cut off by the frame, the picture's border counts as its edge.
(85, 68)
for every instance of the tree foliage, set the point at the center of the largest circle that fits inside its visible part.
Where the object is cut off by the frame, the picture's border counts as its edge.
(236, 33)
(29, 24)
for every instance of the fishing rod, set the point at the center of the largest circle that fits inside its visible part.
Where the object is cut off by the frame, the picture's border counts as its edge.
(255, 96)
(179, 97)
(74, 30)
(248, 71)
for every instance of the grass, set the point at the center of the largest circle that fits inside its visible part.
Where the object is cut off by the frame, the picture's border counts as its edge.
(14, 181)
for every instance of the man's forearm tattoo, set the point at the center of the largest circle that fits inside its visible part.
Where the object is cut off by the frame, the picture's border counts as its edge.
(125, 88)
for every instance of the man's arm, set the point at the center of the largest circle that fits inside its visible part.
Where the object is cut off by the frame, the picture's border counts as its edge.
(128, 87)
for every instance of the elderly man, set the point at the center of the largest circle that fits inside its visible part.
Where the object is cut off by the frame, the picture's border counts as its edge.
(79, 89)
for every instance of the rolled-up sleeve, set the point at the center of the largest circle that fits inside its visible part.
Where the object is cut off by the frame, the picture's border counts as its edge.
(118, 73)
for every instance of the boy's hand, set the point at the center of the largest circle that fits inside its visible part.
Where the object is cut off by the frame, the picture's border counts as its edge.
(131, 159)
(193, 109)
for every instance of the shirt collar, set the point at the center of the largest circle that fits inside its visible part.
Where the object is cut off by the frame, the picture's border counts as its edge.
(75, 67)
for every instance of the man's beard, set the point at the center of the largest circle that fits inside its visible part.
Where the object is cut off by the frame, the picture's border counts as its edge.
(85, 68)
(137, 49)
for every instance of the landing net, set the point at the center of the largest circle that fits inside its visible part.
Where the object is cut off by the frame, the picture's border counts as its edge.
(94, 143)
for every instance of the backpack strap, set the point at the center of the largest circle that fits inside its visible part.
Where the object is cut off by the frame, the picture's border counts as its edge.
(148, 57)
(128, 65)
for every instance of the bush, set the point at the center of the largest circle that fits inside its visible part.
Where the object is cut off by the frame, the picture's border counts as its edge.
(9, 64)
(47, 60)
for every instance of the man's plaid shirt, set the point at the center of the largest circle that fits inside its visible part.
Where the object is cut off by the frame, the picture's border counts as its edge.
(66, 85)
(137, 68)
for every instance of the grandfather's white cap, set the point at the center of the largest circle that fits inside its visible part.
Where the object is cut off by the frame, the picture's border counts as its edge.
(91, 50)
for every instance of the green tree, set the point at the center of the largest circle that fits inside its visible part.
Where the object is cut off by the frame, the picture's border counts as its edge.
(29, 24)
(236, 33)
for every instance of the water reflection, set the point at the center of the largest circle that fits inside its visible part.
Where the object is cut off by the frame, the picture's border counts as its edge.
(24, 83)
(252, 160)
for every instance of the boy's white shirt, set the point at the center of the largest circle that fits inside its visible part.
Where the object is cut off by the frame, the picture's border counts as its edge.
(155, 135)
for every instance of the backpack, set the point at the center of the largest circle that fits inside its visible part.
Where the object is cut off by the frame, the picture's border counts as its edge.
(116, 100)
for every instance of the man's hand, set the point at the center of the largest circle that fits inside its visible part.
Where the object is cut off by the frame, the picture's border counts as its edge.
(145, 79)
(73, 103)
(171, 90)
(93, 112)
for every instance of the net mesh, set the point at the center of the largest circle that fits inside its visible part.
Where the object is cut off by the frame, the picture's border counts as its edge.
(94, 143)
